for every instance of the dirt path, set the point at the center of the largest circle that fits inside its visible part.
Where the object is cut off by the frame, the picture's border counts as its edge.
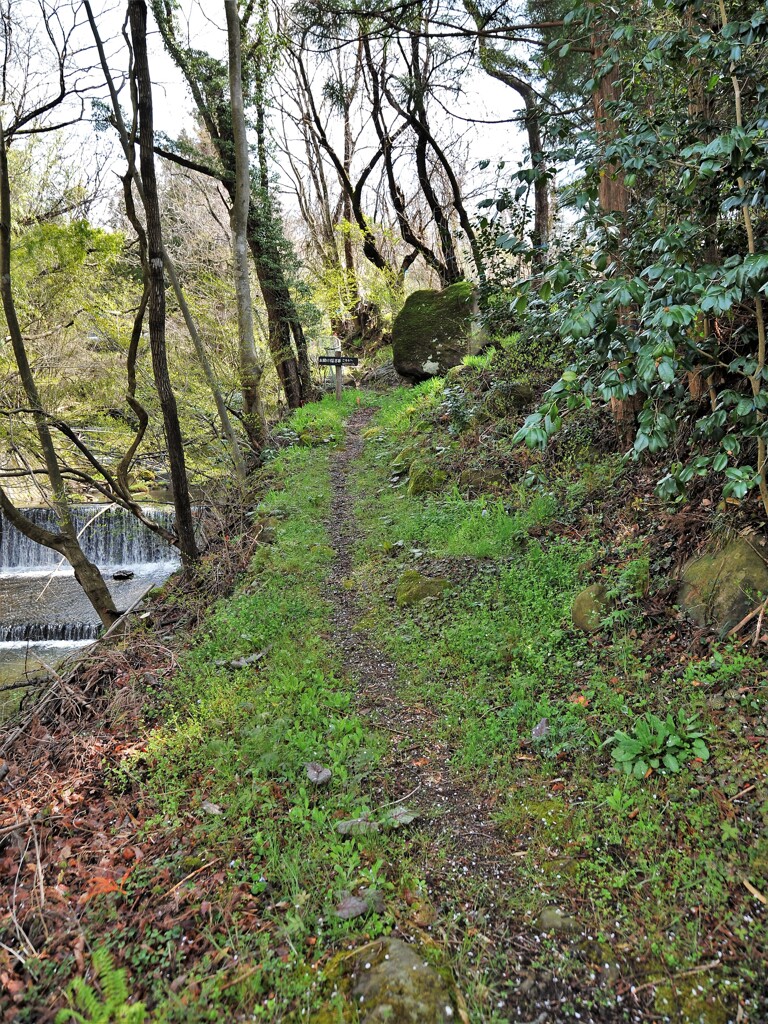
(457, 812)
(468, 863)
(464, 857)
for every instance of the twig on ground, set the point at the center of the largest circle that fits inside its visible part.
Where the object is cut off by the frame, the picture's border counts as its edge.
(680, 974)
(14, 952)
(743, 793)
(391, 728)
(38, 870)
(242, 977)
(759, 629)
(755, 892)
(16, 923)
(122, 620)
(191, 875)
(748, 618)
(23, 685)
(402, 799)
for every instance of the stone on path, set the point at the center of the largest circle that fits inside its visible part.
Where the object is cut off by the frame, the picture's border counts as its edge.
(393, 985)
(553, 919)
(589, 608)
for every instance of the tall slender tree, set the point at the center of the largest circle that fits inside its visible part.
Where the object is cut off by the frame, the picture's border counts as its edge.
(250, 367)
(127, 141)
(153, 270)
(207, 79)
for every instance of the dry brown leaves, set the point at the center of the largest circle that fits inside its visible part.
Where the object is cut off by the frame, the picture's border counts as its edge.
(67, 841)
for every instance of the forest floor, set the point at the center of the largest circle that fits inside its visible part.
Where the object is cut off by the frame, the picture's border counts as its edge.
(215, 816)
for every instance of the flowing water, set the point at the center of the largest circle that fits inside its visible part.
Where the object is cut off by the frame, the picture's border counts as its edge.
(44, 614)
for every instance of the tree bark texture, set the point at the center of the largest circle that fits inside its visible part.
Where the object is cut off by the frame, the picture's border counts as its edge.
(250, 369)
(137, 10)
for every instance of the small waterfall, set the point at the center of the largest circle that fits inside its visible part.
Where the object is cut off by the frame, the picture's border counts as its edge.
(47, 632)
(42, 607)
(110, 537)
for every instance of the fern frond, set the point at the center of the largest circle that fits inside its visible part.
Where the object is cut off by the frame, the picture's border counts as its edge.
(111, 1007)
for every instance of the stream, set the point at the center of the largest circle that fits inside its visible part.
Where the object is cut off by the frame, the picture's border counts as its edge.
(44, 615)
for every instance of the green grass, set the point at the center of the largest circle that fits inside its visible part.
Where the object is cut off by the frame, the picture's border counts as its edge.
(228, 771)
(652, 859)
(646, 865)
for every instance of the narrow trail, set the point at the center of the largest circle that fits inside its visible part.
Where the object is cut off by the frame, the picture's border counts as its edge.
(465, 856)
(459, 812)
(468, 863)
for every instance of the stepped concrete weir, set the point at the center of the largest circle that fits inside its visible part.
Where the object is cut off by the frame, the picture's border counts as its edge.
(110, 537)
(44, 614)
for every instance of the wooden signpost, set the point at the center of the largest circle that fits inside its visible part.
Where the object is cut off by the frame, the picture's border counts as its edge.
(339, 361)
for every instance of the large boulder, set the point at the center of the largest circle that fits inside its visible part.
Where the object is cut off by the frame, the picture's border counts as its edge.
(720, 588)
(481, 479)
(424, 478)
(434, 331)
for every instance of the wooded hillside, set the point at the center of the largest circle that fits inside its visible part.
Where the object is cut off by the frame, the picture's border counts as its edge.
(456, 706)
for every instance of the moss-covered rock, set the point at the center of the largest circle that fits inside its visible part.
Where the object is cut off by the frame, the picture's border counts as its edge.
(481, 479)
(559, 867)
(507, 398)
(316, 434)
(412, 588)
(457, 372)
(720, 588)
(402, 461)
(425, 479)
(601, 958)
(434, 331)
(589, 608)
(392, 983)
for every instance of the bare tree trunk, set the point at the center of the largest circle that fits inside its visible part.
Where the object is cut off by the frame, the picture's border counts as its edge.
(354, 190)
(612, 190)
(66, 543)
(250, 368)
(202, 356)
(284, 323)
(397, 197)
(350, 276)
(415, 112)
(755, 378)
(205, 363)
(137, 11)
(499, 66)
(285, 328)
